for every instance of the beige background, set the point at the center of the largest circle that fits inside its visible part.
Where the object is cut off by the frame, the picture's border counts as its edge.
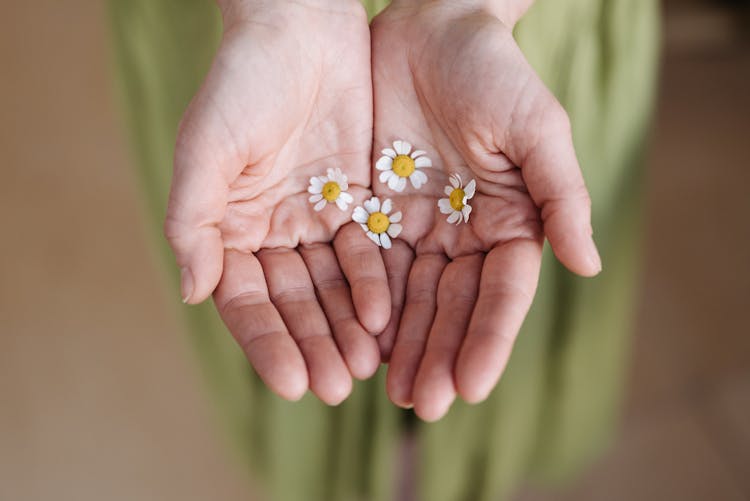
(100, 397)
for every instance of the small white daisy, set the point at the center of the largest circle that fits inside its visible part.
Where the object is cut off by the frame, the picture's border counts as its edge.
(457, 203)
(399, 163)
(330, 189)
(376, 222)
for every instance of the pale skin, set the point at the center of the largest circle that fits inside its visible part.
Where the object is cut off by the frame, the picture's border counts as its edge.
(288, 96)
(450, 77)
(304, 293)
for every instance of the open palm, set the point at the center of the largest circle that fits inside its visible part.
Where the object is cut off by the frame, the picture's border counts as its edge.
(452, 81)
(288, 97)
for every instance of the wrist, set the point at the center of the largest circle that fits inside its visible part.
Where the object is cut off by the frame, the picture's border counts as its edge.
(507, 11)
(233, 10)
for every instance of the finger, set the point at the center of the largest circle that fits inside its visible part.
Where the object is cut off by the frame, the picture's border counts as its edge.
(197, 201)
(358, 347)
(397, 260)
(363, 267)
(419, 311)
(509, 277)
(245, 307)
(434, 386)
(552, 174)
(292, 292)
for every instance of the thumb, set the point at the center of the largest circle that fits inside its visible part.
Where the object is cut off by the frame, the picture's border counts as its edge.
(197, 202)
(551, 172)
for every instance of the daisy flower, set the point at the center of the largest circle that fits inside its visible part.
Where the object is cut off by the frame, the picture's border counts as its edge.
(399, 163)
(457, 203)
(376, 222)
(330, 189)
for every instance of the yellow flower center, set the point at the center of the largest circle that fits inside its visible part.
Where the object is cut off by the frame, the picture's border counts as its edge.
(331, 191)
(403, 165)
(378, 222)
(457, 199)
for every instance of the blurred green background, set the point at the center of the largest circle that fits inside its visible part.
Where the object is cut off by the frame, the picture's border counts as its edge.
(100, 396)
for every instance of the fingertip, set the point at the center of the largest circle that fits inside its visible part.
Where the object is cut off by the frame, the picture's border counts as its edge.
(432, 397)
(186, 284)
(593, 258)
(337, 393)
(364, 364)
(398, 392)
(286, 377)
(472, 383)
(293, 393)
(400, 399)
(363, 267)
(581, 257)
(434, 410)
(373, 306)
(334, 389)
(361, 353)
(291, 386)
(201, 266)
(474, 398)
(574, 246)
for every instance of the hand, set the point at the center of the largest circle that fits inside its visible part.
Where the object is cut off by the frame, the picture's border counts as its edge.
(288, 97)
(449, 78)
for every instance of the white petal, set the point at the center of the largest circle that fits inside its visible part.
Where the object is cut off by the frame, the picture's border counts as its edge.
(389, 152)
(395, 217)
(315, 198)
(386, 175)
(341, 204)
(341, 179)
(319, 206)
(470, 189)
(422, 162)
(364, 227)
(384, 163)
(401, 184)
(385, 240)
(372, 205)
(418, 153)
(346, 197)
(418, 178)
(316, 183)
(394, 230)
(393, 182)
(387, 206)
(454, 217)
(445, 206)
(374, 237)
(448, 190)
(466, 211)
(359, 215)
(402, 147)
(455, 181)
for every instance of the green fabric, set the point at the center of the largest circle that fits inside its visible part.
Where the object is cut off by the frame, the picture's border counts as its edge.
(556, 404)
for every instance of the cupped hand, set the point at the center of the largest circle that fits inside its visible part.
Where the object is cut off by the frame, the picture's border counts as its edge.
(449, 78)
(288, 97)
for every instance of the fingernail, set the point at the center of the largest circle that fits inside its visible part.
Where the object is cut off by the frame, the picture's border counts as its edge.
(594, 258)
(186, 279)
